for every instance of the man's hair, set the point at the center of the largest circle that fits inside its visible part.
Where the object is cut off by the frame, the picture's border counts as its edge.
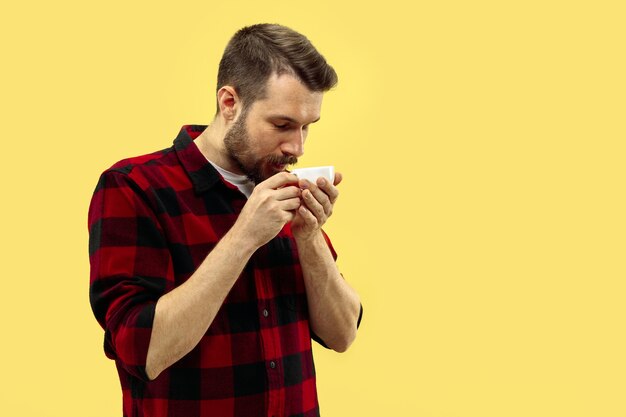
(256, 52)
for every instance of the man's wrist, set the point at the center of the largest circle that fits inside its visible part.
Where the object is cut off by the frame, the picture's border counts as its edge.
(310, 240)
(245, 241)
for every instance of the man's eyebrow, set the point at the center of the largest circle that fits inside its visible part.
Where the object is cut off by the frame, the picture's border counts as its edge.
(290, 119)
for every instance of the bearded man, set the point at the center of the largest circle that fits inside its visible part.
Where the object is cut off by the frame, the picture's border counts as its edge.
(210, 272)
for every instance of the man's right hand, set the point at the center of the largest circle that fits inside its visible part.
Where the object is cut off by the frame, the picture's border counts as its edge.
(271, 205)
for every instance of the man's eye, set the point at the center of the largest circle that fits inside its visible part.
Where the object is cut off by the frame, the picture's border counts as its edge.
(283, 126)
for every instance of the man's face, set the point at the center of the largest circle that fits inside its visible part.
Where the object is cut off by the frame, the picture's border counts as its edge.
(270, 135)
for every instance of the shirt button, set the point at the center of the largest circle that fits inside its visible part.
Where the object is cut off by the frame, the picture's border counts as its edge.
(272, 364)
(265, 312)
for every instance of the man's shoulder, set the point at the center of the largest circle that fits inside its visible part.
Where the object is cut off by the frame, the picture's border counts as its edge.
(173, 160)
(148, 170)
(141, 162)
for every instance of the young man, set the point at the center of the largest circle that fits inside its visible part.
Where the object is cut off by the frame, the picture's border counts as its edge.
(210, 272)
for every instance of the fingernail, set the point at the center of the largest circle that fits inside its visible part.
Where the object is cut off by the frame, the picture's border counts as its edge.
(322, 181)
(305, 184)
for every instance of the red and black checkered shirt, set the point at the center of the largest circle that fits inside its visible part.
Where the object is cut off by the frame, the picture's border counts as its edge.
(152, 221)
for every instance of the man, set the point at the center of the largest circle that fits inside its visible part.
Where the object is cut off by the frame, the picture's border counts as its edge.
(210, 272)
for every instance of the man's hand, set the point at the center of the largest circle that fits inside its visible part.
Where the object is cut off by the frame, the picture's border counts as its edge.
(183, 315)
(318, 201)
(271, 205)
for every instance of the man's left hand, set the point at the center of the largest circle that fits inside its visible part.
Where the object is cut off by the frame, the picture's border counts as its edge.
(317, 205)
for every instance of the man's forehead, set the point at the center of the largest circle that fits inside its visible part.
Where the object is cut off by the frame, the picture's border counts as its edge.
(285, 95)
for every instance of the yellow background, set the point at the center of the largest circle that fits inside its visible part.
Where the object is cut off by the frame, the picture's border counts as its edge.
(482, 217)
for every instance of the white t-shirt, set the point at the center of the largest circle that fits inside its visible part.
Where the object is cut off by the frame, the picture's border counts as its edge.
(240, 181)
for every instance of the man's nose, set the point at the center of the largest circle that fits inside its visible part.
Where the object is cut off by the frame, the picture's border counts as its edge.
(295, 144)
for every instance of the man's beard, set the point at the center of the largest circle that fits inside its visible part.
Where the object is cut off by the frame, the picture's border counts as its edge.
(237, 144)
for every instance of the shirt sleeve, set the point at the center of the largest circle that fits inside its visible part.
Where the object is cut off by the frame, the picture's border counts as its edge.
(130, 267)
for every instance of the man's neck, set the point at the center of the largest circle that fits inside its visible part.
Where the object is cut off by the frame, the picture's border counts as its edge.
(211, 145)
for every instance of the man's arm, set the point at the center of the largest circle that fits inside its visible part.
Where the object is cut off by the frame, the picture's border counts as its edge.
(334, 306)
(183, 315)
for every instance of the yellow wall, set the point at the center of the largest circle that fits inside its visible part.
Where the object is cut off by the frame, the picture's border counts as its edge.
(482, 216)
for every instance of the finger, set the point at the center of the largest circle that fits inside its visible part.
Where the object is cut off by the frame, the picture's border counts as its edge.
(308, 217)
(338, 178)
(330, 190)
(290, 204)
(279, 180)
(318, 210)
(288, 216)
(320, 195)
(287, 192)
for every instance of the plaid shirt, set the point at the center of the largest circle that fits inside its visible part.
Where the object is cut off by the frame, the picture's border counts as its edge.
(152, 221)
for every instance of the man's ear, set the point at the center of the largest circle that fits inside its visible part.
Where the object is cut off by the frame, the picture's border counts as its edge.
(229, 103)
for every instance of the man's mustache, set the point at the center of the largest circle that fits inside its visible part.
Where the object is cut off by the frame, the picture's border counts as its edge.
(282, 160)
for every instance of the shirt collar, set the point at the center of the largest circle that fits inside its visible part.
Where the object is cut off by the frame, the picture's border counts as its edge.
(203, 175)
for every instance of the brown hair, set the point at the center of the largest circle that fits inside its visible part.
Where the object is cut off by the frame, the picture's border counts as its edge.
(256, 52)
